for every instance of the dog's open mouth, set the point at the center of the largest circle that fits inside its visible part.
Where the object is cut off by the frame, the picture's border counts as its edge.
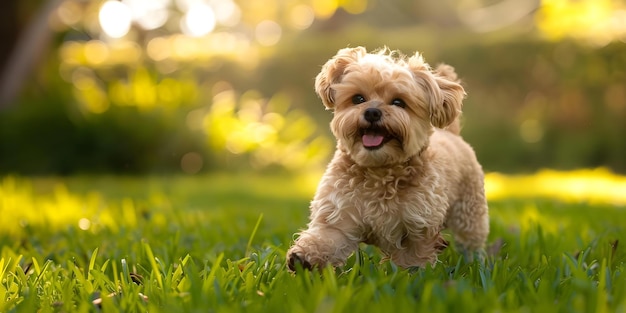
(374, 138)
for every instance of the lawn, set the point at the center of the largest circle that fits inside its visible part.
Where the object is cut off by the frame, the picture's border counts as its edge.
(216, 243)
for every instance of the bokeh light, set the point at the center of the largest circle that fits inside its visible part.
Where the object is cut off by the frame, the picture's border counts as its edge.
(149, 14)
(198, 21)
(191, 163)
(158, 48)
(96, 52)
(70, 13)
(597, 22)
(498, 15)
(531, 131)
(302, 16)
(84, 223)
(268, 129)
(354, 6)
(115, 18)
(268, 33)
(325, 8)
(227, 13)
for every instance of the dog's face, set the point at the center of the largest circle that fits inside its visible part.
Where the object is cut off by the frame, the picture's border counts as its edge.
(385, 105)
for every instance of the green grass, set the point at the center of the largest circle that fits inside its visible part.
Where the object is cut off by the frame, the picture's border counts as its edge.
(217, 244)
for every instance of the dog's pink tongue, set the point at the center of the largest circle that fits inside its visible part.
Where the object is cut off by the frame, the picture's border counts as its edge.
(372, 140)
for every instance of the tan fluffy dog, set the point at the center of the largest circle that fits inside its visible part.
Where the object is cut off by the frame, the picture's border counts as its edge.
(401, 172)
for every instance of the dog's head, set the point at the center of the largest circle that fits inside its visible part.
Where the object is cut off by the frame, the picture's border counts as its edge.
(386, 104)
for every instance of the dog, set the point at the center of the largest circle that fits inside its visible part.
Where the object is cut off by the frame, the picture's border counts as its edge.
(401, 172)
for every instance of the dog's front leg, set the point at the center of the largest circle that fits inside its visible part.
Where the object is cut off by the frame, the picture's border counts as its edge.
(322, 244)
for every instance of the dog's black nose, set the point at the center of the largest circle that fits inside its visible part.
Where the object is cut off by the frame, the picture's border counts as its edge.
(372, 115)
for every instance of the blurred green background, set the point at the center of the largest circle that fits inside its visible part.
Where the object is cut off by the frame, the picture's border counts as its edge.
(167, 86)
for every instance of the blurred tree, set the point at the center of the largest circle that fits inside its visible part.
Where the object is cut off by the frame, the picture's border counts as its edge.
(26, 36)
(9, 27)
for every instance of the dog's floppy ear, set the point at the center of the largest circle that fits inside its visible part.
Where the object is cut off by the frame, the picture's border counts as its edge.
(332, 72)
(445, 93)
(453, 93)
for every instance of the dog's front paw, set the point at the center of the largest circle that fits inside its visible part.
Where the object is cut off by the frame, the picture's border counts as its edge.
(308, 257)
(329, 247)
(293, 258)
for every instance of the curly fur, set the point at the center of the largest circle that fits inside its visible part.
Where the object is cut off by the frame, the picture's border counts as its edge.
(402, 193)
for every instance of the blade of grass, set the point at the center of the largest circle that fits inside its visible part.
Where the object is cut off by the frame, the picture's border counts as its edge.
(125, 278)
(178, 274)
(92, 262)
(153, 264)
(256, 227)
(42, 271)
(3, 267)
(208, 282)
(602, 298)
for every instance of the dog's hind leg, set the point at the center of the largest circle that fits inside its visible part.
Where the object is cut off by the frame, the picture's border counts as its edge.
(468, 220)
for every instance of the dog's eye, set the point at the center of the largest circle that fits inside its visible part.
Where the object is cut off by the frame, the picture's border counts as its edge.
(358, 99)
(398, 102)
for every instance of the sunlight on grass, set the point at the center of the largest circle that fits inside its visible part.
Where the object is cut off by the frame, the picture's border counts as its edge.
(530, 217)
(22, 207)
(90, 205)
(590, 185)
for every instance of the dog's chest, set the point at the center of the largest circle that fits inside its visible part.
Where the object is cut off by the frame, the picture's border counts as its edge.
(373, 193)
(389, 207)
(381, 216)
(373, 197)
